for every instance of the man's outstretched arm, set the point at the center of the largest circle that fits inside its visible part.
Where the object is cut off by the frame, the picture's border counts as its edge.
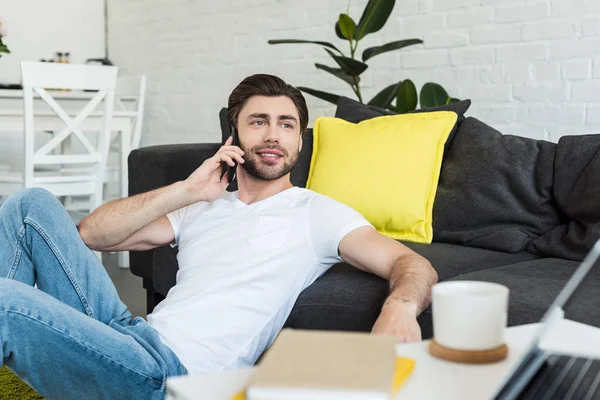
(134, 223)
(410, 275)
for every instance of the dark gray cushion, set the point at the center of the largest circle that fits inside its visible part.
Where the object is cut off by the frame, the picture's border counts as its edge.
(450, 260)
(495, 191)
(535, 284)
(344, 298)
(577, 193)
(353, 111)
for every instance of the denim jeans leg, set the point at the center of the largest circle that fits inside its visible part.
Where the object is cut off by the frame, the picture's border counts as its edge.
(65, 354)
(39, 244)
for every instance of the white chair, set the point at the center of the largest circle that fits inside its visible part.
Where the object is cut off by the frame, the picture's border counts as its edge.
(131, 91)
(130, 94)
(36, 77)
(130, 97)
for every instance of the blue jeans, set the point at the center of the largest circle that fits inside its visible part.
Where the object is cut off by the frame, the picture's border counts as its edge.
(72, 337)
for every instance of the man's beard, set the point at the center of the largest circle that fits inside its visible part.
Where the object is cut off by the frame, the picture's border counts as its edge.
(264, 172)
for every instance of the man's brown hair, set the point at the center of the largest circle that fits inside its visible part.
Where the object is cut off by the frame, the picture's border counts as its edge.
(269, 86)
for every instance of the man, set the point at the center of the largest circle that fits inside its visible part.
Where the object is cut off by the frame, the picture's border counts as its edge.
(244, 258)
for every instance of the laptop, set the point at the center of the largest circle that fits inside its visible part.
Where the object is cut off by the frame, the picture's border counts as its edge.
(540, 374)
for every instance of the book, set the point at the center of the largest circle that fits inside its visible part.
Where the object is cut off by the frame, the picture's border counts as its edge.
(305, 365)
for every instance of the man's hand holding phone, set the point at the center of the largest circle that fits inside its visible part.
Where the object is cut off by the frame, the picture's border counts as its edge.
(208, 183)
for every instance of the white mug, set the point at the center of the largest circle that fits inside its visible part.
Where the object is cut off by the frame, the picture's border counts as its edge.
(469, 315)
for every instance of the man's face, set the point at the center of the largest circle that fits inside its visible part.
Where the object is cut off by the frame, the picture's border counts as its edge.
(269, 135)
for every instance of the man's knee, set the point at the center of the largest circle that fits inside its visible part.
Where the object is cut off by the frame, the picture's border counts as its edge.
(9, 292)
(25, 198)
(19, 297)
(35, 195)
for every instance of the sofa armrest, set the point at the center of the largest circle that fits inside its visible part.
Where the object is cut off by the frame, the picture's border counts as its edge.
(157, 166)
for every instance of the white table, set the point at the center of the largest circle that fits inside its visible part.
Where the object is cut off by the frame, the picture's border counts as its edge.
(11, 120)
(432, 378)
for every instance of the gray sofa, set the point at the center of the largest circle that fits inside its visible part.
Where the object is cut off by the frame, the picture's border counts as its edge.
(512, 210)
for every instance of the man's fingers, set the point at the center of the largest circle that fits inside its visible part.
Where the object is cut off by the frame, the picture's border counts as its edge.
(232, 148)
(231, 155)
(222, 157)
(228, 160)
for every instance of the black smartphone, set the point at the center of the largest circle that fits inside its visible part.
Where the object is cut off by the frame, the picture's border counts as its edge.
(229, 170)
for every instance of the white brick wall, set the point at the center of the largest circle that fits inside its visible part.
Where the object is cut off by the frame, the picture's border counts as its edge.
(531, 67)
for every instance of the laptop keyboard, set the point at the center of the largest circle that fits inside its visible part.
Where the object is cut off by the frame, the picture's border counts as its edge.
(565, 378)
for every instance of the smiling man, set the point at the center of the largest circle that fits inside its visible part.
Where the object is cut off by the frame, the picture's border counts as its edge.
(244, 258)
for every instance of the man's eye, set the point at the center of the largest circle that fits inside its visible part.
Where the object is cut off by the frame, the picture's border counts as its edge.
(258, 122)
(287, 126)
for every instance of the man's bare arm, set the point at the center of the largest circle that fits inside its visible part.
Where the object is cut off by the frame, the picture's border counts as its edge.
(135, 223)
(410, 275)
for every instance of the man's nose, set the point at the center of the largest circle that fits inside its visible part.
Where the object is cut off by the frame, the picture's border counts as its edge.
(272, 135)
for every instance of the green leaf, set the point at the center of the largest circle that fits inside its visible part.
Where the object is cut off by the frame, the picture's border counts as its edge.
(407, 97)
(453, 100)
(392, 108)
(289, 41)
(384, 98)
(332, 98)
(349, 65)
(433, 95)
(338, 31)
(400, 44)
(347, 26)
(374, 17)
(337, 72)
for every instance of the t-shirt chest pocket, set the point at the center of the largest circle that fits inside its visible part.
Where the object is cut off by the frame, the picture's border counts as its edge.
(270, 232)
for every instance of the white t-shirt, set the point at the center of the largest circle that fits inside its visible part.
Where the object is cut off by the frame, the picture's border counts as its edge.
(241, 269)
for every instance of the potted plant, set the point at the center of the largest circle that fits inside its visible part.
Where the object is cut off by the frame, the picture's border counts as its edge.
(349, 69)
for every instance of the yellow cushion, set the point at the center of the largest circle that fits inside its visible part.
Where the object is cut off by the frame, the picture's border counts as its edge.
(387, 168)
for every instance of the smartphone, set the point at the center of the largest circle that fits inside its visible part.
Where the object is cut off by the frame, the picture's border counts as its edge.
(229, 170)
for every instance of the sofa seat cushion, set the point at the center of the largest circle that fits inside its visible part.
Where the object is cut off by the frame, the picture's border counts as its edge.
(535, 284)
(344, 298)
(450, 260)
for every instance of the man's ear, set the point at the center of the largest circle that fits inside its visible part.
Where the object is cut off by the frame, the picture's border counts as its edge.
(300, 144)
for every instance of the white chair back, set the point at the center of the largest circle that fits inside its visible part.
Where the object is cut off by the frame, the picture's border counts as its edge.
(133, 89)
(37, 77)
